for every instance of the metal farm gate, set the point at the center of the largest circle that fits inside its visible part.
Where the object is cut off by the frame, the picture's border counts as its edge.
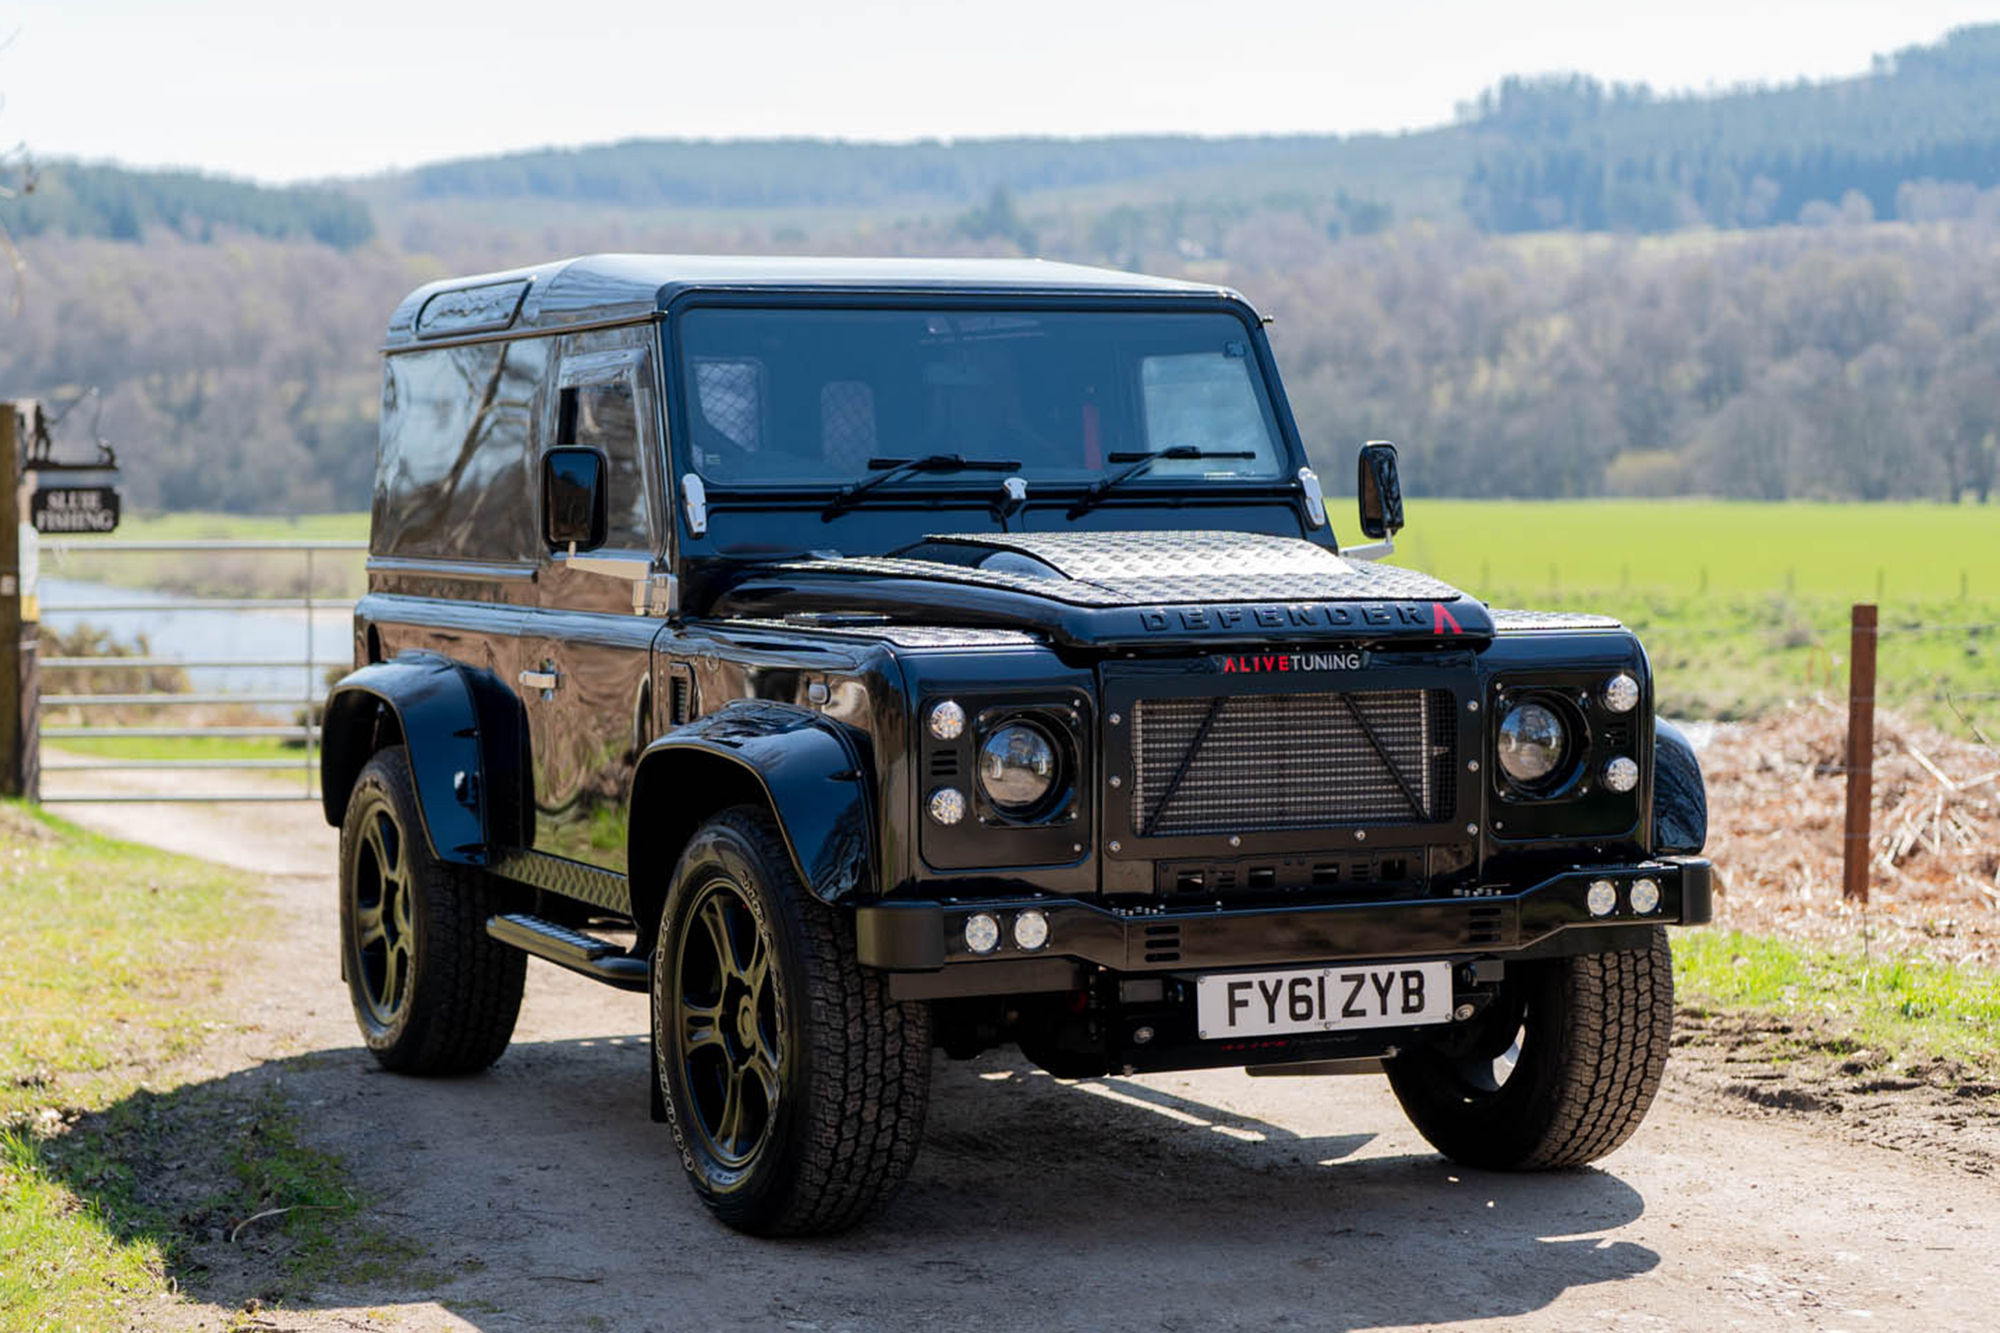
(302, 703)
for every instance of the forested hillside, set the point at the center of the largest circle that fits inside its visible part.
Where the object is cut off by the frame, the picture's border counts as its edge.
(1838, 338)
(78, 199)
(1570, 152)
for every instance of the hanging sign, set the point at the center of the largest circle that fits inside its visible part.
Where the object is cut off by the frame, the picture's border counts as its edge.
(74, 508)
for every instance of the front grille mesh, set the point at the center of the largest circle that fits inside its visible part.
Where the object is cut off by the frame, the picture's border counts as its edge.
(1278, 762)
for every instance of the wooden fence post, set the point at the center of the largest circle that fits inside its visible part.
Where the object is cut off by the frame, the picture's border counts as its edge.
(20, 766)
(1860, 753)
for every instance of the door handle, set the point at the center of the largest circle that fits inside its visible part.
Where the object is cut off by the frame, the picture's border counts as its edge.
(546, 680)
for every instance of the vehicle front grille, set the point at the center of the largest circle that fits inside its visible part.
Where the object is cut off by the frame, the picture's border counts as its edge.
(1246, 763)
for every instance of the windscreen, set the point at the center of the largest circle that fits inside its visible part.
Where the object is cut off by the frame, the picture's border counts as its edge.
(811, 395)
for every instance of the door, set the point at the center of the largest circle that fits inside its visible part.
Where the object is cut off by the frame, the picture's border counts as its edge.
(586, 675)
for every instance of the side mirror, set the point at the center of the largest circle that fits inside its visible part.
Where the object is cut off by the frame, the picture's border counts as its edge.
(573, 512)
(1380, 492)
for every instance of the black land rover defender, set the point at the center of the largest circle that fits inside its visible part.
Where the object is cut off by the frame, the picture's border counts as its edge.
(862, 657)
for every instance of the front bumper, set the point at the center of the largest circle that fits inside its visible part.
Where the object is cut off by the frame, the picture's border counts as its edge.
(1550, 916)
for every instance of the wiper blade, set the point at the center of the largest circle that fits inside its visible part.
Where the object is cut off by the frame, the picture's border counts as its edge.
(1139, 462)
(894, 469)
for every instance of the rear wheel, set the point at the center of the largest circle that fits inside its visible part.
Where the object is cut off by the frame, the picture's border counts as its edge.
(433, 993)
(795, 1086)
(1558, 1073)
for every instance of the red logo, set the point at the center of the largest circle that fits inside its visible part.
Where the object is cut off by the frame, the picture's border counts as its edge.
(1440, 618)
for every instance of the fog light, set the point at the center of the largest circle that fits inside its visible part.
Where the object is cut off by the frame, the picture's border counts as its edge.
(982, 933)
(947, 805)
(1621, 774)
(1031, 930)
(1621, 693)
(1645, 895)
(1602, 900)
(947, 721)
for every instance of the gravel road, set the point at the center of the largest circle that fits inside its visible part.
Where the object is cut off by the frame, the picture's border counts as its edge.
(546, 1200)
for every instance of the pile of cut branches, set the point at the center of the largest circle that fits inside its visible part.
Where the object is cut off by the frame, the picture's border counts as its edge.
(1777, 793)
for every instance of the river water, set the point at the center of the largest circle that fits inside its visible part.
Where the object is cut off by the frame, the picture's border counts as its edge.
(210, 635)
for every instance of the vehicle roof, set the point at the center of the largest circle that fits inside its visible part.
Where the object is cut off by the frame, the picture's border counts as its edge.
(608, 287)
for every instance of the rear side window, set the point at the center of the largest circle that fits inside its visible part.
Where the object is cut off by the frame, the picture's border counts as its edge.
(454, 477)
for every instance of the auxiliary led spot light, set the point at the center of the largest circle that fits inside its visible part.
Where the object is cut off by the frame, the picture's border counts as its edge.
(1621, 774)
(1645, 895)
(947, 805)
(1031, 930)
(1621, 693)
(947, 721)
(1602, 900)
(982, 932)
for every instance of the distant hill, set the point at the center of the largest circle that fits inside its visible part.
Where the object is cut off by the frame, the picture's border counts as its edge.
(1546, 153)
(230, 329)
(79, 199)
(1569, 152)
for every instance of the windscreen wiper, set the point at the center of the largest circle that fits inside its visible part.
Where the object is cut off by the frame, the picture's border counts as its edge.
(1139, 462)
(894, 469)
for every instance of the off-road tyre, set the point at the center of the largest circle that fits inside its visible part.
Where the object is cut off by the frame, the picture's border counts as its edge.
(450, 1004)
(1594, 1033)
(850, 1066)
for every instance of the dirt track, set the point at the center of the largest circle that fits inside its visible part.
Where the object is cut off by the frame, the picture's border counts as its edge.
(547, 1201)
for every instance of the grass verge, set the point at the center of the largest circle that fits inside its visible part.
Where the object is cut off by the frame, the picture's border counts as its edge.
(122, 1181)
(1833, 1005)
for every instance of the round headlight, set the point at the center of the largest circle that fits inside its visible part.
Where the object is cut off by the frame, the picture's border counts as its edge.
(1017, 766)
(1645, 895)
(1532, 744)
(947, 720)
(947, 805)
(1602, 899)
(1621, 693)
(1621, 774)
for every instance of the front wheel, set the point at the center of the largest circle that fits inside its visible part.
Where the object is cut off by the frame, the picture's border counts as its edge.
(795, 1086)
(1557, 1073)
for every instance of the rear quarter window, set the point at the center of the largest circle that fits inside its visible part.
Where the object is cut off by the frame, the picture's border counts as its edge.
(454, 472)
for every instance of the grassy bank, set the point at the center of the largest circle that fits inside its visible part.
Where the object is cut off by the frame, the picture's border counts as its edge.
(335, 574)
(115, 1168)
(1877, 1013)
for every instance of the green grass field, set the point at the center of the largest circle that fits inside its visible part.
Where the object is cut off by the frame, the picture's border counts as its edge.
(1899, 553)
(1743, 606)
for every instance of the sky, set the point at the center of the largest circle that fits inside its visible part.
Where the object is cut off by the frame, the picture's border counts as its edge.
(280, 90)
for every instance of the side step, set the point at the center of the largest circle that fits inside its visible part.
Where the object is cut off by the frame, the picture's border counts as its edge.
(600, 960)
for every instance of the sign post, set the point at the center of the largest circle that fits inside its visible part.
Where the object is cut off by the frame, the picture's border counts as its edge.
(20, 750)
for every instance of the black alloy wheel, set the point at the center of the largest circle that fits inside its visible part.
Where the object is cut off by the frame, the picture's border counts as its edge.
(433, 993)
(794, 1085)
(726, 1010)
(385, 928)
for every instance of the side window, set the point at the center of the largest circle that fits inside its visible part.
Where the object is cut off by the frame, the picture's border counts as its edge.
(606, 415)
(453, 478)
(1209, 400)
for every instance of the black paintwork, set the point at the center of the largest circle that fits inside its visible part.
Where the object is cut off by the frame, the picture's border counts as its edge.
(785, 653)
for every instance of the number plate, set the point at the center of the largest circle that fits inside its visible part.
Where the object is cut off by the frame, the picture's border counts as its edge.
(1322, 999)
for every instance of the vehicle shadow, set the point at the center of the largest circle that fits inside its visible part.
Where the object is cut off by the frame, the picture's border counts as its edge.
(539, 1195)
